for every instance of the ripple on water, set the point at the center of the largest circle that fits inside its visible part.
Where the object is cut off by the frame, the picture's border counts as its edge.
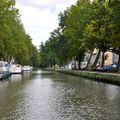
(58, 97)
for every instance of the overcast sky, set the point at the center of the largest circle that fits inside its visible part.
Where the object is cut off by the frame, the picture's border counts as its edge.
(40, 17)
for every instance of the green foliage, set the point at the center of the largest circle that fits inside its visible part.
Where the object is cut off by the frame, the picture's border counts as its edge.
(83, 27)
(14, 42)
(55, 50)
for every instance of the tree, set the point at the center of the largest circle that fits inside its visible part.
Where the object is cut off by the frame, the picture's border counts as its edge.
(14, 42)
(97, 29)
(75, 22)
(114, 28)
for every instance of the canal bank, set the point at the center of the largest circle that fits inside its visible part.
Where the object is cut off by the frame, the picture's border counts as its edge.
(111, 78)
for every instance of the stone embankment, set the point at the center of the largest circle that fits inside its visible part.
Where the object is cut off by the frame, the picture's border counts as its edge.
(112, 78)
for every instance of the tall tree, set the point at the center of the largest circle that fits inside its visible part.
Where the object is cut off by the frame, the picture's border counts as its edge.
(75, 23)
(14, 42)
(114, 28)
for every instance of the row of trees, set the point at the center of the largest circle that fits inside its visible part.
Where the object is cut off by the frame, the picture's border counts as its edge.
(82, 28)
(14, 42)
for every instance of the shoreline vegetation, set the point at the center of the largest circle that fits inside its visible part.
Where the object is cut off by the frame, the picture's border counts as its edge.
(15, 43)
(87, 36)
(111, 78)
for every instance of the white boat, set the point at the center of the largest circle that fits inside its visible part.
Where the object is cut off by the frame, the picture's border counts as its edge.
(27, 68)
(4, 70)
(15, 69)
(4, 66)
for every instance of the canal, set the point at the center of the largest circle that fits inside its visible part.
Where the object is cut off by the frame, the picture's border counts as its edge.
(44, 95)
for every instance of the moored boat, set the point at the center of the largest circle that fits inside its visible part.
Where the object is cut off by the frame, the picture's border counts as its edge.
(15, 69)
(27, 68)
(4, 70)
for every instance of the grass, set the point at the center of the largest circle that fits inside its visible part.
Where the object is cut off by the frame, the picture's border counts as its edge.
(97, 76)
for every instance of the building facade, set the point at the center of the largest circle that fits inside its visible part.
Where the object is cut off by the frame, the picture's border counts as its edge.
(110, 58)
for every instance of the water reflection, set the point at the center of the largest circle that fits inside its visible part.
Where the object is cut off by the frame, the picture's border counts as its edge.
(16, 77)
(52, 96)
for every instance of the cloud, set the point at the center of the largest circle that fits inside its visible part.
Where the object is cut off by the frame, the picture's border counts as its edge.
(40, 17)
(44, 3)
(33, 2)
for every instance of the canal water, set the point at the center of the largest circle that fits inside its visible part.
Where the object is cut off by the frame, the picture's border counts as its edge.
(44, 95)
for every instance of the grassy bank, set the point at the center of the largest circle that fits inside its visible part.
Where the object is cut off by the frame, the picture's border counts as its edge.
(97, 76)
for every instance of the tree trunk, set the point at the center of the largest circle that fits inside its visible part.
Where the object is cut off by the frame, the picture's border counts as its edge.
(119, 63)
(50, 63)
(89, 60)
(8, 59)
(79, 64)
(96, 60)
(54, 62)
(103, 59)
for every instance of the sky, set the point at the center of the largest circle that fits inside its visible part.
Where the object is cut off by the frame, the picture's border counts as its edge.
(40, 17)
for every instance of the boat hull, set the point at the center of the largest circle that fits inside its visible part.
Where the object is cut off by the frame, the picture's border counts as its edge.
(15, 69)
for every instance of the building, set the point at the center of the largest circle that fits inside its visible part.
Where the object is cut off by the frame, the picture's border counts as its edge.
(110, 58)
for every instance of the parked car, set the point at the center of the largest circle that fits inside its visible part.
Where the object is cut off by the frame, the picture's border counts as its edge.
(109, 68)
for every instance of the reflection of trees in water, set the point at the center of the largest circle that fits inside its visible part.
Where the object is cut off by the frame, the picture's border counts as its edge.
(79, 98)
(27, 75)
(12, 96)
(60, 96)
